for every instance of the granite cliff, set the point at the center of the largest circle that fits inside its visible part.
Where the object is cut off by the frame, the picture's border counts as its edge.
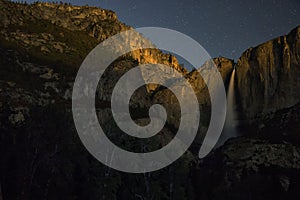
(268, 78)
(41, 47)
(247, 168)
(48, 30)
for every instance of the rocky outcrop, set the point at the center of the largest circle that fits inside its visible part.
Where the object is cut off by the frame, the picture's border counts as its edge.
(41, 47)
(166, 98)
(282, 126)
(268, 76)
(95, 21)
(245, 168)
(48, 31)
(224, 66)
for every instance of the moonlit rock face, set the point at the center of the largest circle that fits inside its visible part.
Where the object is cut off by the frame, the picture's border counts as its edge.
(268, 76)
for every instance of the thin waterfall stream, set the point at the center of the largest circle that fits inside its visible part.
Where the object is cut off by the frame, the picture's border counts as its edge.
(229, 130)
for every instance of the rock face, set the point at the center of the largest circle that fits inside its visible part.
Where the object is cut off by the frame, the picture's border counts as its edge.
(268, 76)
(52, 29)
(95, 21)
(224, 66)
(246, 168)
(283, 125)
(41, 47)
(166, 98)
(49, 42)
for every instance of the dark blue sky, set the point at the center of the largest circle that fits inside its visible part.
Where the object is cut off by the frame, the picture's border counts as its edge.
(226, 27)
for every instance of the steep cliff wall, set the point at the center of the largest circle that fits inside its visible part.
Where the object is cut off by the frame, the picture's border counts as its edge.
(52, 29)
(268, 76)
(43, 158)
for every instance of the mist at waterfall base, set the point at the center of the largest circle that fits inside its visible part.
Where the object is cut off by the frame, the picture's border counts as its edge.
(231, 122)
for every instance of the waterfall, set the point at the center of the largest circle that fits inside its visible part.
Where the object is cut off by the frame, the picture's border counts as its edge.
(229, 130)
(230, 115)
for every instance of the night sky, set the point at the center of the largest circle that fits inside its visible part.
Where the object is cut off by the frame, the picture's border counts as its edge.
(223, 28)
